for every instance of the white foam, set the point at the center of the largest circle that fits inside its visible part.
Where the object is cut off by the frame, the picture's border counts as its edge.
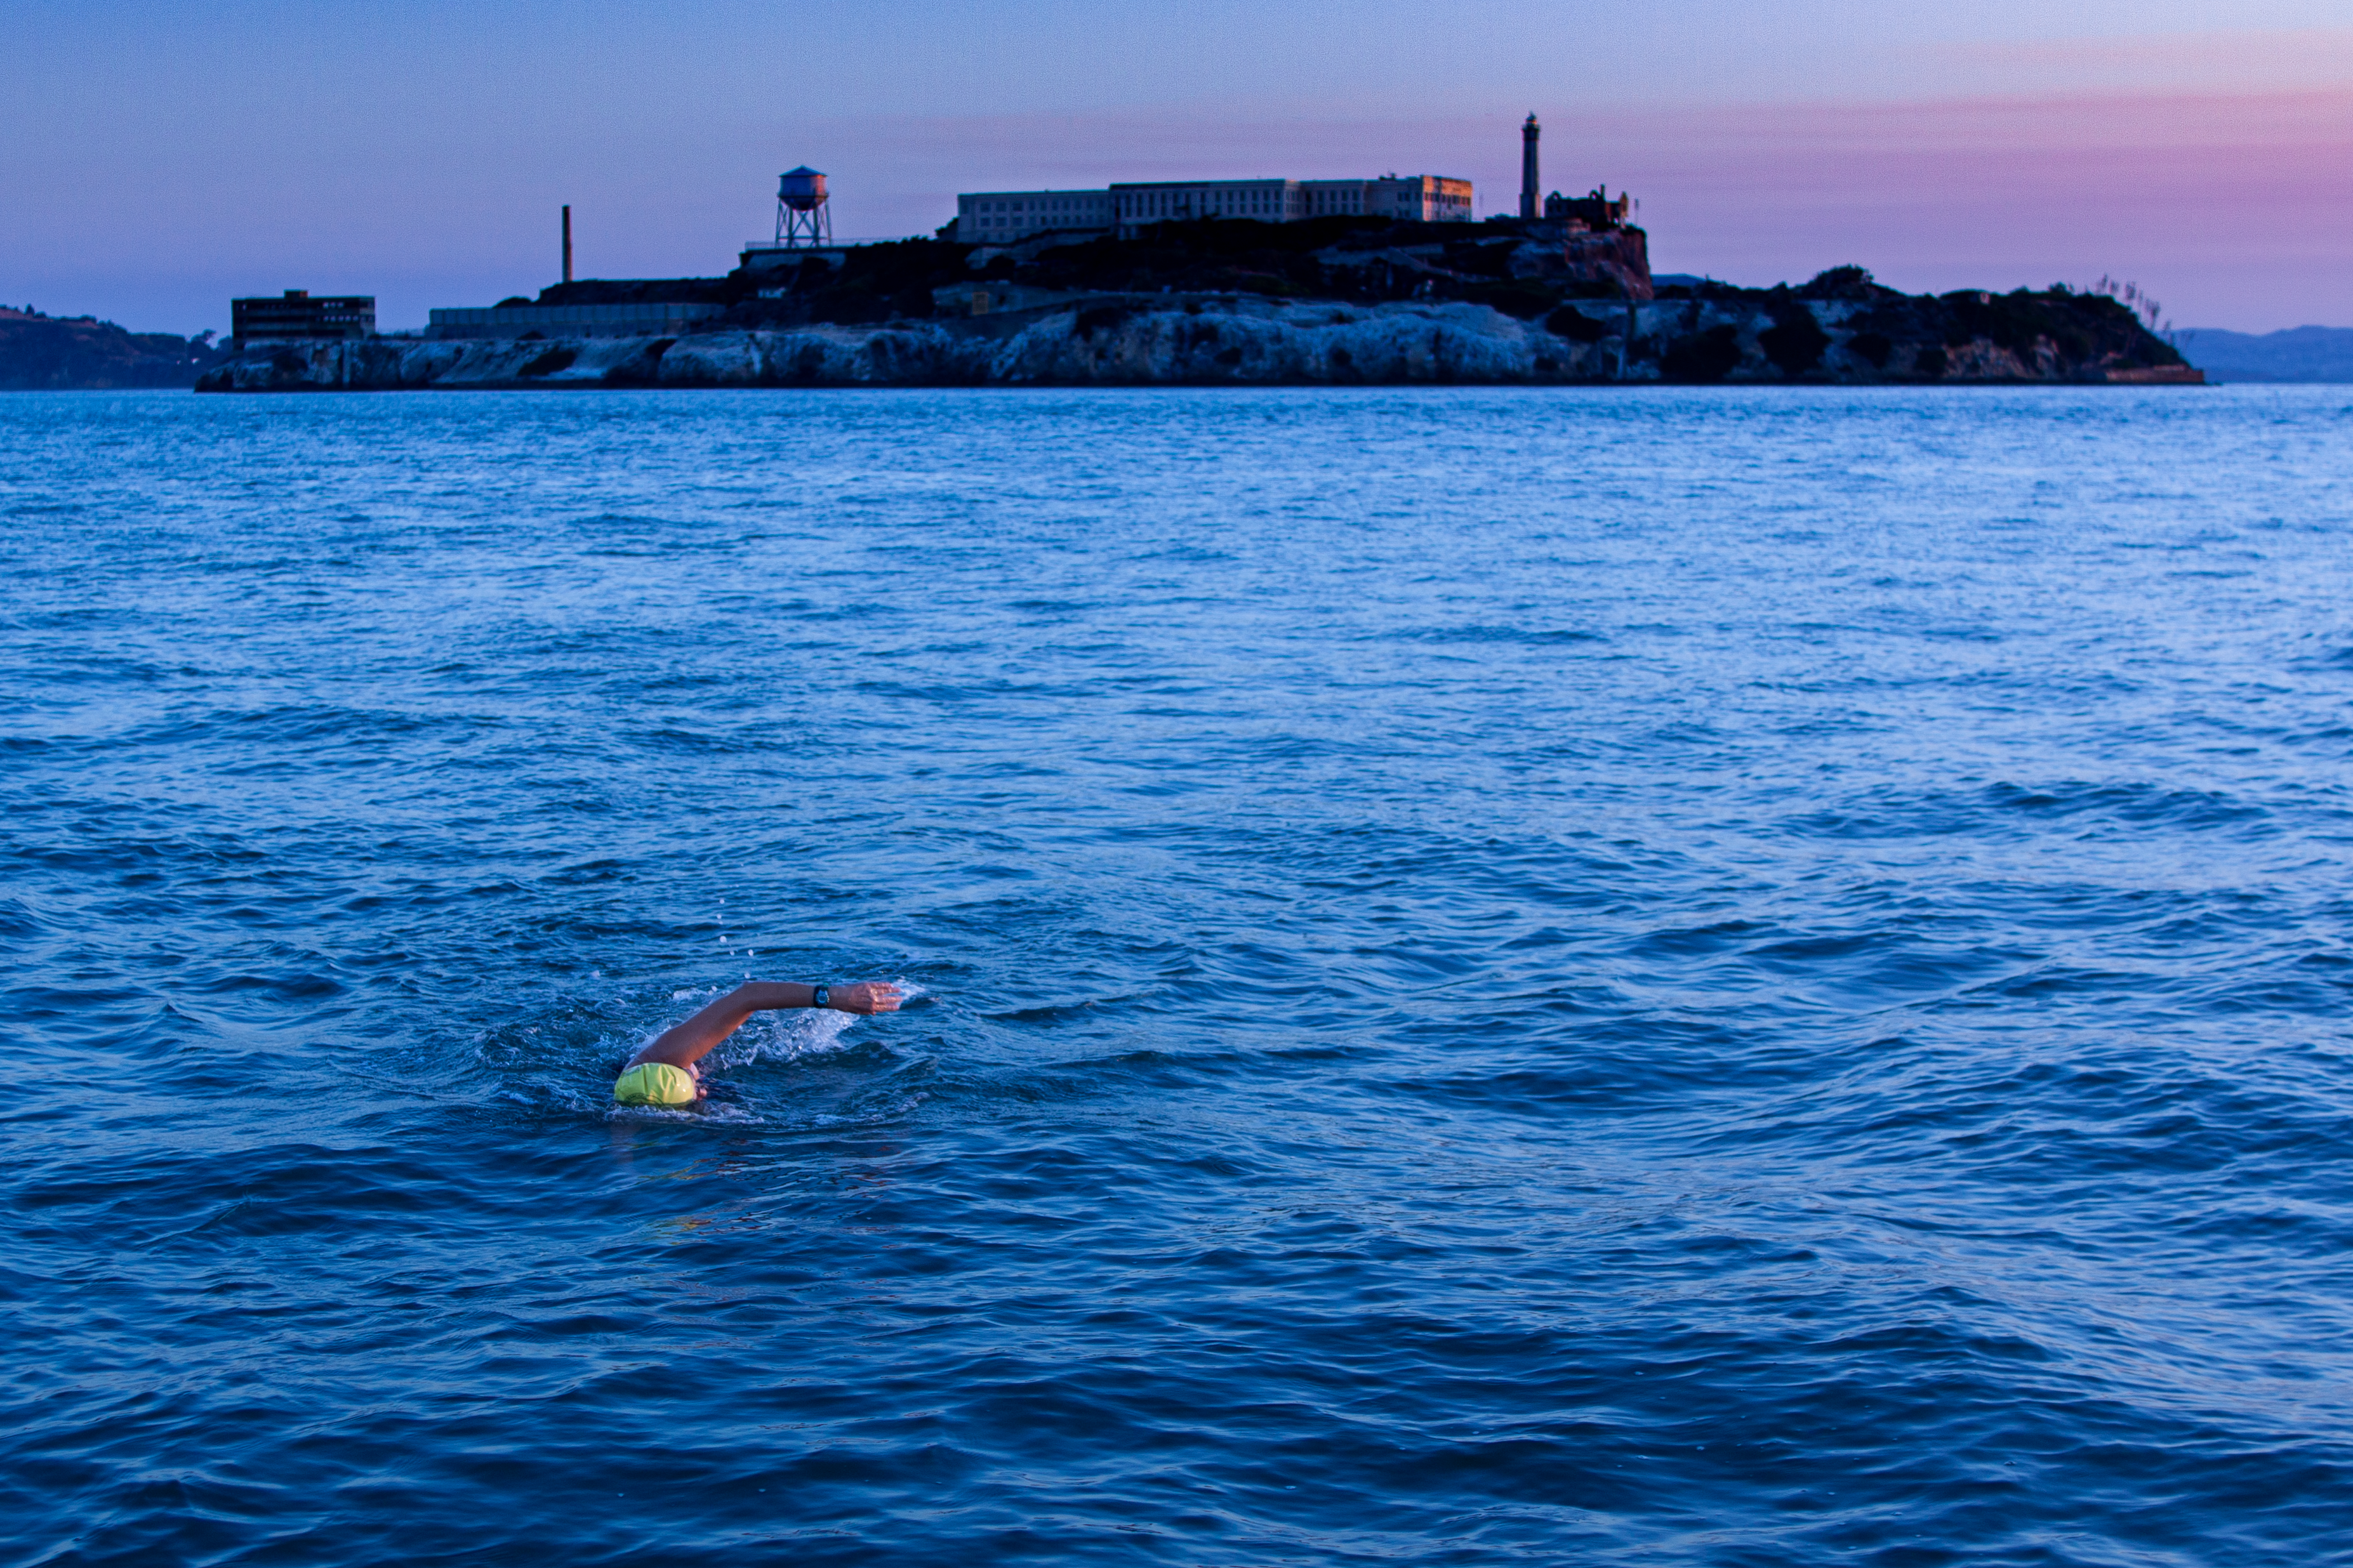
(789, 1033)
(785, 1035)
(700, 1112)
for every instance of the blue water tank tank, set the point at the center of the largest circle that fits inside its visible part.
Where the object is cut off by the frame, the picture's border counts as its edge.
(803, 189)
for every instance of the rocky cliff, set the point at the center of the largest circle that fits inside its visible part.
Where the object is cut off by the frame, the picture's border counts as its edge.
(1839, 330)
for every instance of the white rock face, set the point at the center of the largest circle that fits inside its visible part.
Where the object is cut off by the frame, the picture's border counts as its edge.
(1115, 343)
(1156, 339)
(1285, 345)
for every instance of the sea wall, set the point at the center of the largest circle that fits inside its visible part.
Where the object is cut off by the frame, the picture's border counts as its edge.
(1166, 341)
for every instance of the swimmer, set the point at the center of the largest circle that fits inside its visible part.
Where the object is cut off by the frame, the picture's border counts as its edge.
(664, 1072)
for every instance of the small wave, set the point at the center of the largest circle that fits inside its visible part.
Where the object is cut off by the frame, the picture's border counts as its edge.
(1534, 636)
(702, 1114)
(1536, 1012)
(2142, 805)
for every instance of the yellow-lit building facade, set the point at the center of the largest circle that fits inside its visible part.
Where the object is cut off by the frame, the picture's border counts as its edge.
(1002, 217)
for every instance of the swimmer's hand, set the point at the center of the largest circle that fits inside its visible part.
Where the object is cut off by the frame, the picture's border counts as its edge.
(866, 996)
(683, 1045)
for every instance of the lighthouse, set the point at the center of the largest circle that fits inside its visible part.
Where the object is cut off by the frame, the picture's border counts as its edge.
(1531, 203)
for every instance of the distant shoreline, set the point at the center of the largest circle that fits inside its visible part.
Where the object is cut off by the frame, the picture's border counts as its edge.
(2306, 355)
(81, 353)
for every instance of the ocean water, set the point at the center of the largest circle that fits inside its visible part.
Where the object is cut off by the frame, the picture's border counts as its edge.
(1681, 977)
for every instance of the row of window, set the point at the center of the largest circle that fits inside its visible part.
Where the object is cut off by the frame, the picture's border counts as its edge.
(1039, 212)
(1261, 196)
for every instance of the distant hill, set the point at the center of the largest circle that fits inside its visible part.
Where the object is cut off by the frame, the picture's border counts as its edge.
(2299, 354)
(53, 354)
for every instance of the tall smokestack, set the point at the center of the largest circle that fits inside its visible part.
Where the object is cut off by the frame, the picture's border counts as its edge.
(1531, 203)
(567, 242)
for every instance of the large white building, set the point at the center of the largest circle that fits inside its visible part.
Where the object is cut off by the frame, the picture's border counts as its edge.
(998, 217)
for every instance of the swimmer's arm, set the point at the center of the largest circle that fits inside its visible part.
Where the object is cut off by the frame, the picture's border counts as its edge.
(683, 1045)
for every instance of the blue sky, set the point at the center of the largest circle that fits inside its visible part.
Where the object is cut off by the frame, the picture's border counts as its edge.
(162, 157)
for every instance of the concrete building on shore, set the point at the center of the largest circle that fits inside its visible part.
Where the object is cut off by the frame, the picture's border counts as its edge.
(298, 313)
(1001, 217)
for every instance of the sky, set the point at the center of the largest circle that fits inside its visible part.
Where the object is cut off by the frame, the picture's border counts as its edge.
(157, 158)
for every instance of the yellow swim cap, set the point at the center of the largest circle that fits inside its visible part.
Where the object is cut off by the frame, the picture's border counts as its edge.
(655, 1083)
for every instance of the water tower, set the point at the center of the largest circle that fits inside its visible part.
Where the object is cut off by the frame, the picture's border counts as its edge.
(802, 215)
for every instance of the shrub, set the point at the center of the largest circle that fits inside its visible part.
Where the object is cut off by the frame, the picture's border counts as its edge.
(852, 304)
(1840, 283)
(1796, 347)
(1525, 301)
(1101, 318)
(1575, 325)
(1710, 356)
(1795, 340)
(1482, 258)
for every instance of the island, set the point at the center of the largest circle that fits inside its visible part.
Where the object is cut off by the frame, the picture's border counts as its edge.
(1338, 300)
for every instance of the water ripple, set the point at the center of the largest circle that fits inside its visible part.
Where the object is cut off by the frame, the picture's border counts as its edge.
(1707, 977)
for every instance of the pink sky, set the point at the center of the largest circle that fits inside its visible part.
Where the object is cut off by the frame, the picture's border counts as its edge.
(165, 154)
(2235, 210)
(2232, 210)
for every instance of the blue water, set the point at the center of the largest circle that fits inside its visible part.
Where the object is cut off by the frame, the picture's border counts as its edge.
(1712, 977)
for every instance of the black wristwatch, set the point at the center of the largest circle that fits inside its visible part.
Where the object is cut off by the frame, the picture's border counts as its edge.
(819, 996)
